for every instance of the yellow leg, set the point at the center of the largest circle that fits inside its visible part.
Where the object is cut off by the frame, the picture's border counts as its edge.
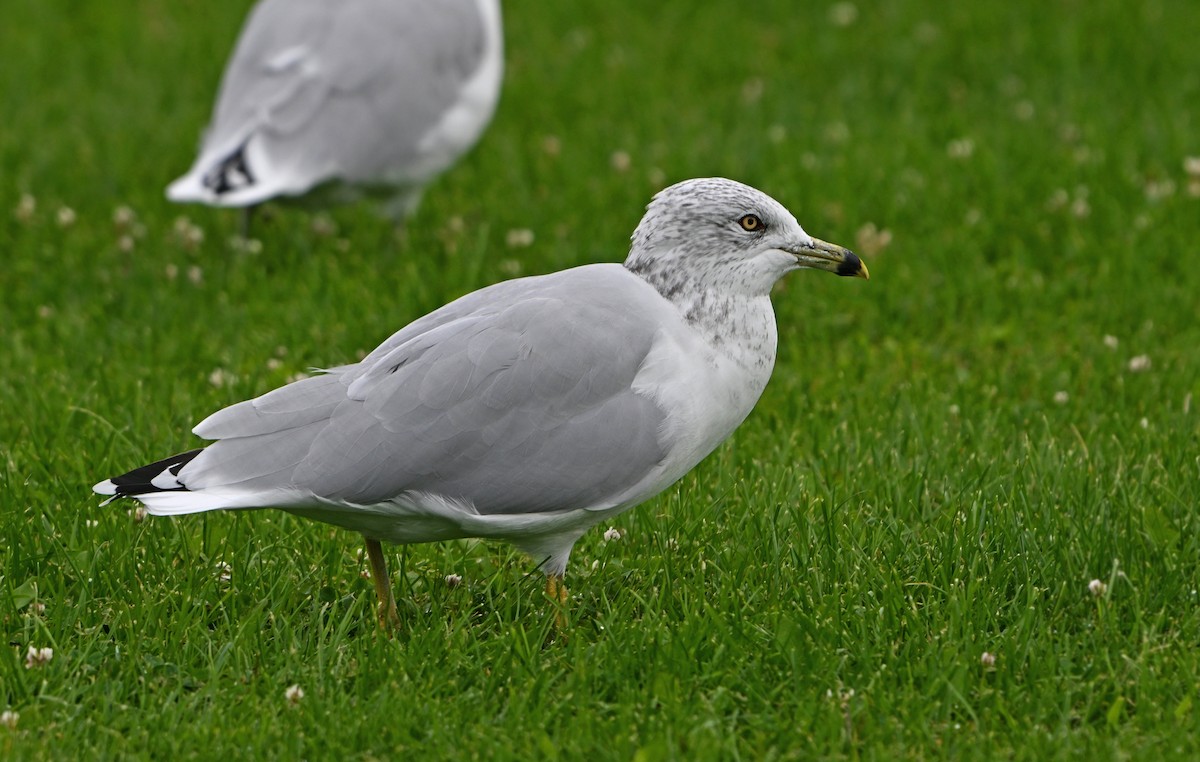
(558, 593)
(389, 620)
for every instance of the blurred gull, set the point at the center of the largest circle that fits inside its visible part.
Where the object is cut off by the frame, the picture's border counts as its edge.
(365, 95)
(530, 410)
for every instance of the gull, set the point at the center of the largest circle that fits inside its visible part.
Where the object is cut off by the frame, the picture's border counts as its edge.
(528, 411)
(364, 96)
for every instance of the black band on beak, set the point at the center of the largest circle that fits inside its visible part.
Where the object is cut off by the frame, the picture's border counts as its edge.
(851, 266)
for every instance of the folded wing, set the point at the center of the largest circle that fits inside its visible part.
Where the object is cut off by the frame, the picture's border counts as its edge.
(514, 407)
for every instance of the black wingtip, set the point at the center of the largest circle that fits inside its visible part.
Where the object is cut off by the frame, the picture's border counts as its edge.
(140, 480)
(230, 174)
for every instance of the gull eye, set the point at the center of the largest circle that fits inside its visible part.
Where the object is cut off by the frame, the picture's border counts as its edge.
(751, 223)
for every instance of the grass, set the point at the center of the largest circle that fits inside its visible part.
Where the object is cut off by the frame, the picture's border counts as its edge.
(945, 457)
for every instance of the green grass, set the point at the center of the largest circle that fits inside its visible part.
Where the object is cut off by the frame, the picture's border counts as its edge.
(908, 494)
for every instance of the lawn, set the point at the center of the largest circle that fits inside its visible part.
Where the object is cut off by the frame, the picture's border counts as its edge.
(961, 523)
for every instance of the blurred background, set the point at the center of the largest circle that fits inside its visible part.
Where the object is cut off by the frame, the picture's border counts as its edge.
(1009, 400)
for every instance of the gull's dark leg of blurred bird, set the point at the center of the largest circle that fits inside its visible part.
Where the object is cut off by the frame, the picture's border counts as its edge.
(389, 620)
(557, 590)
(244, 222)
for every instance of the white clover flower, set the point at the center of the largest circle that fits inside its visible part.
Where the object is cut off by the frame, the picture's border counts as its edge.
(323, 225)
(1157, 190)
(25, 208)
(1111, 341)
(843, 14)
(66, 216)
(962, 148)
(191, 236)
(837, 132)
(988, 660)
(224, 571)
(1058, 199)
(123, 216)
(293, 694)
(9, 719)
(38, 657)
(1061, 398)
(1097, 588)
(1191, 165)
(753, 89)
(1139, 364)
(620, 161)
(611, 534)
(453, 580)
(138, 514)
(519, 238)
(221, 377)
(245, 245)
(196, 275)
(871, 240)
(926, 32)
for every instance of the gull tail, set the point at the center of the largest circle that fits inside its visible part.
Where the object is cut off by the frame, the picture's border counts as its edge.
(159, 476)
(212, 179)
(157, 486)
(238, 176)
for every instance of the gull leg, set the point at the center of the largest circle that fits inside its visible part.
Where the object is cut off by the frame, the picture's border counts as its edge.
(389, 620)
(557, 590)
(244, 223)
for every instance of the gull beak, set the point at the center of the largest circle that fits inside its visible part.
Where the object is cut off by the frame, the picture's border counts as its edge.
(820, 255)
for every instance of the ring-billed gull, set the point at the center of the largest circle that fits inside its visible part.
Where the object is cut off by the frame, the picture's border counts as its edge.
(530, 410)
(377, 95)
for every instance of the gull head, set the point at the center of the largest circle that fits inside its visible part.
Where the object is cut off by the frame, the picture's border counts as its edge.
(726, 234)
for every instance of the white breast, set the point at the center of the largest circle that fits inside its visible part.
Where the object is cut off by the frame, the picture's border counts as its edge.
(707, 388)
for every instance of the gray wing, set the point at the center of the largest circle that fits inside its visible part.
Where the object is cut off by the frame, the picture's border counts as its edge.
(518, 398)
(344, 88)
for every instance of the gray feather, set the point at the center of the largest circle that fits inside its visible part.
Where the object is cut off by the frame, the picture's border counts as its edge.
(288, 407)
(507, 399)
(306, 67)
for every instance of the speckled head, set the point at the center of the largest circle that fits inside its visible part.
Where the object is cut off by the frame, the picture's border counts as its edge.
(716, 227)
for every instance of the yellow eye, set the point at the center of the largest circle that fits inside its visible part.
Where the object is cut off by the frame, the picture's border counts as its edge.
(751, 223)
